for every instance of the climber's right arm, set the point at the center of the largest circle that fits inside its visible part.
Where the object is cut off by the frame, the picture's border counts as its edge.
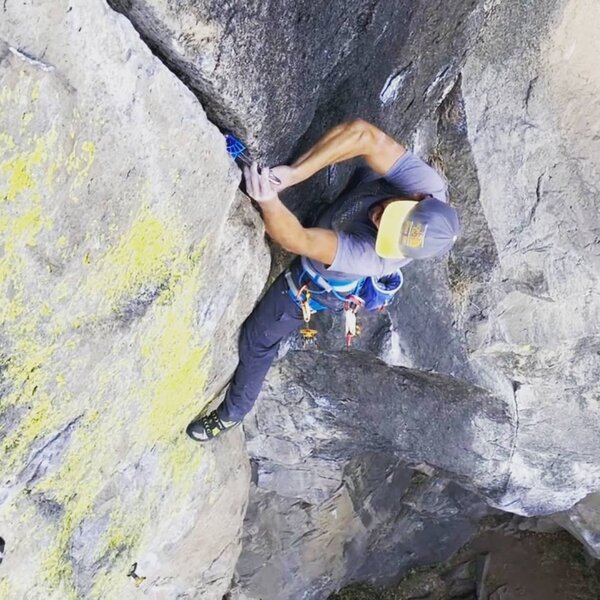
(283, 226)
(348, 140)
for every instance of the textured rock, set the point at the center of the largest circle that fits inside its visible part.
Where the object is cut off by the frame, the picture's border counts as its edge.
(380, 522)
(324, 513)
(532, 110)
(266, 70)
(322, 408)
(583, 521)
(125, 250)
(282, 73)
(515, 309)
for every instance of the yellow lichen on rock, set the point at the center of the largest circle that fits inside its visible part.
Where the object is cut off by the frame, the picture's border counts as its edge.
(144, 256)
(143, 412)
(107, 200)
(47, 360)
(21, 171)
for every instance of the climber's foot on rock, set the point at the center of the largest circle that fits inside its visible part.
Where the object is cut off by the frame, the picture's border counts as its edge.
(209, 426)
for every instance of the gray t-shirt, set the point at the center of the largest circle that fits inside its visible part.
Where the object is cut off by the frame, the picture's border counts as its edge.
(348, 216)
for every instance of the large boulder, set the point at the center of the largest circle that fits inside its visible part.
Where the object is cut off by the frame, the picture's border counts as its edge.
(377, 524)
(531, 91)
(515, 307)
(334, 500)
(125, 253)
(319, 409)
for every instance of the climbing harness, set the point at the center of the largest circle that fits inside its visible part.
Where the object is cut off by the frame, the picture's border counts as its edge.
(237, 150)
(342, 290)
(369, 293)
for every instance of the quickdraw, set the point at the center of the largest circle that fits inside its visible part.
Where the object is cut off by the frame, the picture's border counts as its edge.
(238, 151)
(351, 328)
(303, 296)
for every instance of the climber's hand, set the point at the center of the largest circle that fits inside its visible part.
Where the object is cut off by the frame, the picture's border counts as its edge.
(258, 186)
(287, 176)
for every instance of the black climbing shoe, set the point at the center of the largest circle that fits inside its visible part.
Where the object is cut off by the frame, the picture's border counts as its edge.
(208, 427)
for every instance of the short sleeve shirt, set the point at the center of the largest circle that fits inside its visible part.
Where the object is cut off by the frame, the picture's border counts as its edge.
(410, 178)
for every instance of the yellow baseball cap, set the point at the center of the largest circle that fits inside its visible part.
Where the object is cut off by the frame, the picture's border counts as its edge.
(423, 229)
(390, 228)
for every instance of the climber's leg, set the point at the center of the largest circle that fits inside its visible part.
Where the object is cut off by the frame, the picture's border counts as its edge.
(273, 319)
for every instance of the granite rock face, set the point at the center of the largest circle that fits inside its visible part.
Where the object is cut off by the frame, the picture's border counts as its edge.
(117, 200)
(379, 522)
(282, 72)
(128, 261)
(266, 70)
(515, 308)
(323, 408)
(327, 511)
(538, 164)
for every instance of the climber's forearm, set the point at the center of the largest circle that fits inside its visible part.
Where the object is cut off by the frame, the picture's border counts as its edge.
(281, 224)
(285, 229)
(348, 140)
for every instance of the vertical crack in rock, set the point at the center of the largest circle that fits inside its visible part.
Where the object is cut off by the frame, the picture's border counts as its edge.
(538, 197)
(513, 449)
(394, 84)
(214, 104)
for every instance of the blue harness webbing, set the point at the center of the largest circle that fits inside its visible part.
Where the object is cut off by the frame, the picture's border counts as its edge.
(340, 288)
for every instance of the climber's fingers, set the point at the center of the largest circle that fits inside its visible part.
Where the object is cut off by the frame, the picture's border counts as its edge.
(258, 185)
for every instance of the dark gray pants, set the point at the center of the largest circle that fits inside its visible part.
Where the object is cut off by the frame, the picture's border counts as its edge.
(273, 319)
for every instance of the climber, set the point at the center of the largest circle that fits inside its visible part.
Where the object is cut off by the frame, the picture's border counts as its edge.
(394, 210)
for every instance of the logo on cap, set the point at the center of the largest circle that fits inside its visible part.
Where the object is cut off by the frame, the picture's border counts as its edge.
(413, 234)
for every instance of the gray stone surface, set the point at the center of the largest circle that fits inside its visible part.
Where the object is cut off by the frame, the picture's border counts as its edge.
(118, 204)
(329, 514)
(583, 521)
(322, 408)
(268, 70)
(538, 167)
(281, 73)
(380, 522)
